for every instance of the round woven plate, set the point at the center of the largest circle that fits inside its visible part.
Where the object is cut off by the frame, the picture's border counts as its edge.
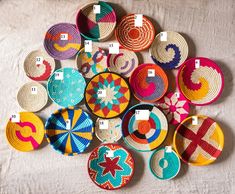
(115, 95)
(68, 91)
(198, 144)
(134, 38)
(38, 65)
(69, 131)
(91, 63)
(110, 166)
(175, 107)
(144, 135)
(27, 134)
(171, 53)
(164, 164)
(32, 96)
(62, 41)
(111, 133)
(148, 87)
(123, 63)
(200, 85)
(96, 26)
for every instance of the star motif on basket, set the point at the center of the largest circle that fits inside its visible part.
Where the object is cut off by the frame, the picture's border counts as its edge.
(110, 165)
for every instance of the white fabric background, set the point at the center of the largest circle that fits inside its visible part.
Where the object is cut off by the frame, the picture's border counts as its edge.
(209, 28)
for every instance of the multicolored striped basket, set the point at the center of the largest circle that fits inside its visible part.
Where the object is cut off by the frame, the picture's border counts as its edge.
(123, 63)
(66, 87)
(62, 41)
(132, 37)
(27, 134)
(91, 63)
(107, 95)
(110, 166)
(32, 96)
(144, 135)
(175, 107)
(38, 65)
(148, 82)
(169, 50)
(200, 80)
(108, 130)
(198, 140)
(164, 163)
(69, 131)
(96, 26)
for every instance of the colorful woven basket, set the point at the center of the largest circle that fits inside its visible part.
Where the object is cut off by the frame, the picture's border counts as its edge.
(32, 97)
(91, 63)
(175, 107)
(123, 63)
(38, 65)
(144, 135)
(200, 80)
(27, 134)
(66, 88)
(135, 38)
(171, 53)
(110, 133)
(115, 95)
(110, 166)
(148, 88)
(198, 144)
(96, 26)
(62, 41)
(69, 131)
(164, 164)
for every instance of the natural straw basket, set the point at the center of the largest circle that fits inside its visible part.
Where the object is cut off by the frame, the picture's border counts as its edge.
(171, 53)
(135, 38)
(59, 48)
(30, 100)
(198, 143)
(200, 85)
(96, 26)
(39, 71)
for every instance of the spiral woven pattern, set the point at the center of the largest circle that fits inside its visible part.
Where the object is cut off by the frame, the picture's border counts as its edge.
(30, 101)
(146, 88)
(203, 85)
(135, 38)
(96, 27)
(62, 49)
(39, 72)
(123, 63)
(171, 53)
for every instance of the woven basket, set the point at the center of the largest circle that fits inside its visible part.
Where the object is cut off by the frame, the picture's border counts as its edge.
(198, 143)
(123, 63)
(91, 63)
(68, 91)
(200, 85)
(171, 53)
(116, 99)
(146, 88)
(96, 27)
(110, 166)
(69, 131)
(41, 70)
(111, 134)
(164, 164)
(26, 135)
(62, 49)
(135, 38)
(144, 135)
(32, 101)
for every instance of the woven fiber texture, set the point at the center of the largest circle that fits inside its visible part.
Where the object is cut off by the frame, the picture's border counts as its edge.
(27, 134)
(32, 97)
(171, 52)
